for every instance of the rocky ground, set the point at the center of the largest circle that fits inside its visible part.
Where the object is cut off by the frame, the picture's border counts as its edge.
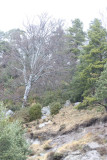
(69, 135)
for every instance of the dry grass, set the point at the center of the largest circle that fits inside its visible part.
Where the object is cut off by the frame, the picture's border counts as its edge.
(68, 117)
(36, 148)
(40, 148)
(47, 145)
(71, 117)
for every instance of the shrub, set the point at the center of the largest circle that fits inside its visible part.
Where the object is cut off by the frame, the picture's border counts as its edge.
(33, 98)
(22, 115)
(59, 95)
(35, 111)
(13, 145)
(55, 107)
(10, 104)
(86, 102)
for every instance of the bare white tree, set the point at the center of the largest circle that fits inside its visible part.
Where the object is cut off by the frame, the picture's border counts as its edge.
(32, 51)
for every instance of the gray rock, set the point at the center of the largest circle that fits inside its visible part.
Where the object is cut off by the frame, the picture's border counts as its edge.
(91, 146)
(67, 103)
(76, 153)
(36, 141)
(9, 113)
(73, 157)
(46, 111)
(77, 103)
(91, 155)
(43, 117)
(44, 124)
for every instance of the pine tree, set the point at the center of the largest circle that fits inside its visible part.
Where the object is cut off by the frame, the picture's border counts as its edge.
(76, 37)
(92, 63)
(101, 88)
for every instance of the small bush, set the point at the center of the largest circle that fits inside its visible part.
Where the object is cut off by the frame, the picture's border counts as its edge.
(35, 111)
(58, 156)
(13, 145)
(12, 105)
(59, 95)
(22, 115)
(14, 108)
(33, 98)
(55, 107)
(86, 102)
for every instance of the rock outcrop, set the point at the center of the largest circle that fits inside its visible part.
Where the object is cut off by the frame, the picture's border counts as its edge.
(70, 135)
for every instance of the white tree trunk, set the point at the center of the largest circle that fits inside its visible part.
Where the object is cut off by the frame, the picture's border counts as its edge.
(27, 91)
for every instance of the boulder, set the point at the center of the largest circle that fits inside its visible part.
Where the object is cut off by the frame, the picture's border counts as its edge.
(76, 103)
(91, 146)
(67, 103)
(46, 111)
(43, 117)
(9, 113)
(91, 155)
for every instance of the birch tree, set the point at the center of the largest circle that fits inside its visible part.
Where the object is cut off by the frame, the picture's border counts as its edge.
(32, 51)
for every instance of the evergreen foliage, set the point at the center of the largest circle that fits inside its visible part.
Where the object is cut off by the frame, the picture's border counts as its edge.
(91, 65)
(76, 37)
(55, 107)
(101, 88)
(35, 111)
(60, 95)
(13, 145)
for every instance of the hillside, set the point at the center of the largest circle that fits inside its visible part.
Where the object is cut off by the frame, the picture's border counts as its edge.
(69, 135)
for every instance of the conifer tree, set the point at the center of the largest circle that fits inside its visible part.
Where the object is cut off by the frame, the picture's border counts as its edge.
(101, 88)
(91, 65)
(76, 37)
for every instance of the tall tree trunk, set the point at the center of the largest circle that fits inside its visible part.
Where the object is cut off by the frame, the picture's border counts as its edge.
(27, 91)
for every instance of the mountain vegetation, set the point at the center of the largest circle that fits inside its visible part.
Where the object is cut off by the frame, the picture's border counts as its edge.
(48, 64)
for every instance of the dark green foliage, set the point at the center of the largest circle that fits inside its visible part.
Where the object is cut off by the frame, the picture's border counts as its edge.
(13, 145)
(59, 95)
(101, 85)
(91, 65)
(76, 37)
(35, 111)
(11, 105)
(101, 88)
(55, 107)
(87, 102)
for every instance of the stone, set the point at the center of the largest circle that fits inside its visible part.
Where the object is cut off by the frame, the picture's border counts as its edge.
(76, 103)
(67, 103)
(36, 141)
(9, 113)
(46, 111)
(73, 157)
(91, 155)
(44, 124)
(91, 146)
(43, 117)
